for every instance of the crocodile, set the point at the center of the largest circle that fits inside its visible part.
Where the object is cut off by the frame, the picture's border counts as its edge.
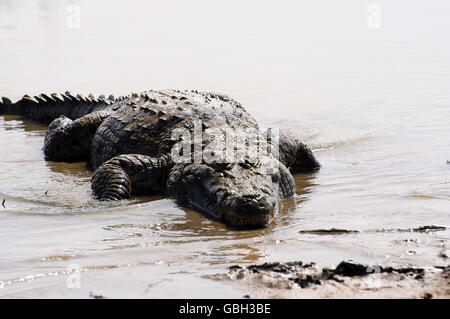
(156, 141)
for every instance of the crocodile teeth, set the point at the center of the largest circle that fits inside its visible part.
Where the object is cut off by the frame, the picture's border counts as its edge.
(91, 96)
(111, 97)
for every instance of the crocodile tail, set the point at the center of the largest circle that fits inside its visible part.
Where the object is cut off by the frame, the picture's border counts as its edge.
(46, 108)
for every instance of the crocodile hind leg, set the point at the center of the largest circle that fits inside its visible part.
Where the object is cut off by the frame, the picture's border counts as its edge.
(293, 153)
(68, 140)
(122, 175)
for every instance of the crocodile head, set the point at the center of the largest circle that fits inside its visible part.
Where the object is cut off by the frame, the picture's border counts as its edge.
(241, 194)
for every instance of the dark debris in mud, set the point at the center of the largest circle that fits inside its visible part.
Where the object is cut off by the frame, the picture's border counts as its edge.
(350, 268)
(421, 229)
(332, 231)
(308, 274)
(280, 267)
(96, 295)
(443, 254)
(337, 231)
(301, 278)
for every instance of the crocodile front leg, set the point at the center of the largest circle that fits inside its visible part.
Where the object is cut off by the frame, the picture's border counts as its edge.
(71, 140)
(122, 175)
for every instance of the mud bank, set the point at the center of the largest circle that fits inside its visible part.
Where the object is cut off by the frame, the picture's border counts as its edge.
(349, 279)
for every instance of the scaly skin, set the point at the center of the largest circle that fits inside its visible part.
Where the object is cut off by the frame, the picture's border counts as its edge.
(129, 142)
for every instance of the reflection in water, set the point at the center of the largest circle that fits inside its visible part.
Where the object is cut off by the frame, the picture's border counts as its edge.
(175, 225)
(168, 224)
(80, 169)
(192, 226)
(18, 122)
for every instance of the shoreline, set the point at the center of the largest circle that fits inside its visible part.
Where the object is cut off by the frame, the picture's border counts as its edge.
(348, 280)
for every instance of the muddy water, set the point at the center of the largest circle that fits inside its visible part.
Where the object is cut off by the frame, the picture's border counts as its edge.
(374, 105)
